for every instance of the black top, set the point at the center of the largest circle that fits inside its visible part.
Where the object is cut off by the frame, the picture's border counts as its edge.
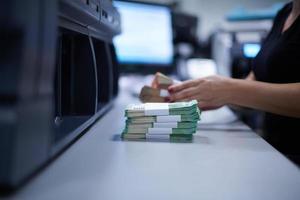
(279, 62)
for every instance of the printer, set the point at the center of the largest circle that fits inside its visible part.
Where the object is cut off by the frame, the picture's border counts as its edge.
(58, 75)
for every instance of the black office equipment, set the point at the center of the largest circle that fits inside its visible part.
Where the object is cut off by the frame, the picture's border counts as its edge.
(58, 74)
(185, 28)
(145, 45)
(245, 46)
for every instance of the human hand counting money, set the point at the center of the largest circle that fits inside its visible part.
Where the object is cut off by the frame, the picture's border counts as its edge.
(209, 91)
(157, 92)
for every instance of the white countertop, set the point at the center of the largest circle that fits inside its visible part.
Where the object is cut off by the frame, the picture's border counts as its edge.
(226, 160)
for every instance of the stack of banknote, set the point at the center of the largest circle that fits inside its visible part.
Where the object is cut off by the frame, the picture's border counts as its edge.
(158, 89)
(177, 121)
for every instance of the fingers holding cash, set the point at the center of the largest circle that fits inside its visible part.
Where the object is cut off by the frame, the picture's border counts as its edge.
(158, 92)
(157, 117)
(161, 81)
(209, 91)
(165, 89)
(181, 86)
(183, 95)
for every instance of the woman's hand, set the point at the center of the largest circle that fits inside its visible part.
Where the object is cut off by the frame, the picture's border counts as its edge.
(216, 91)
(210, 92)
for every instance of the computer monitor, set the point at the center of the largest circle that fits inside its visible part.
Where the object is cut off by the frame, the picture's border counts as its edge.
(145, 43)
(251, 50)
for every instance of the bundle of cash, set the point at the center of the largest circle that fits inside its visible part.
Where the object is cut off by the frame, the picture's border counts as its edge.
(158, 89)
(177, 121)
(149, 94)
(161, 81)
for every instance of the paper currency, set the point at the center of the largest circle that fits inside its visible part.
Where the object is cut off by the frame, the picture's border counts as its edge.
(180, 138)
(161, 81)
(157, 109)
(159, 131)
(162, 125)
(173, 120)
(158, 90)
(149, 94)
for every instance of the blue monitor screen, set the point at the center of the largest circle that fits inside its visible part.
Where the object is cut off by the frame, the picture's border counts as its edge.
(146, 36)
(251, 50)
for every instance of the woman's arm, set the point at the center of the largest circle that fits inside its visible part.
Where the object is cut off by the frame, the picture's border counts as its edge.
(215, 91)
(283, 99)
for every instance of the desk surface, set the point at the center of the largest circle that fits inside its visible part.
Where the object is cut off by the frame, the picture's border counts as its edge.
(219, 164)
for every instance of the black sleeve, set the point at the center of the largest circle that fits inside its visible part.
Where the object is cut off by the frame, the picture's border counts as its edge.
(278, 19)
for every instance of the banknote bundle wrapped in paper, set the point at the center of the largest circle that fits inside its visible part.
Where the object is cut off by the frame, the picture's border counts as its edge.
(158, 89)
(177, 121)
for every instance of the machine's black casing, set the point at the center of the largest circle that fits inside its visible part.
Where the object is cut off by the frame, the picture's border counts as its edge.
(58, 74)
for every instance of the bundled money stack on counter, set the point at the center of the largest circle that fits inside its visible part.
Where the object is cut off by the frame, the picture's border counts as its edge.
(158, 90)
(177, 121)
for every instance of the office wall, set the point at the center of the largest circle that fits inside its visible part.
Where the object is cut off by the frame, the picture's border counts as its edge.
(212, 12)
